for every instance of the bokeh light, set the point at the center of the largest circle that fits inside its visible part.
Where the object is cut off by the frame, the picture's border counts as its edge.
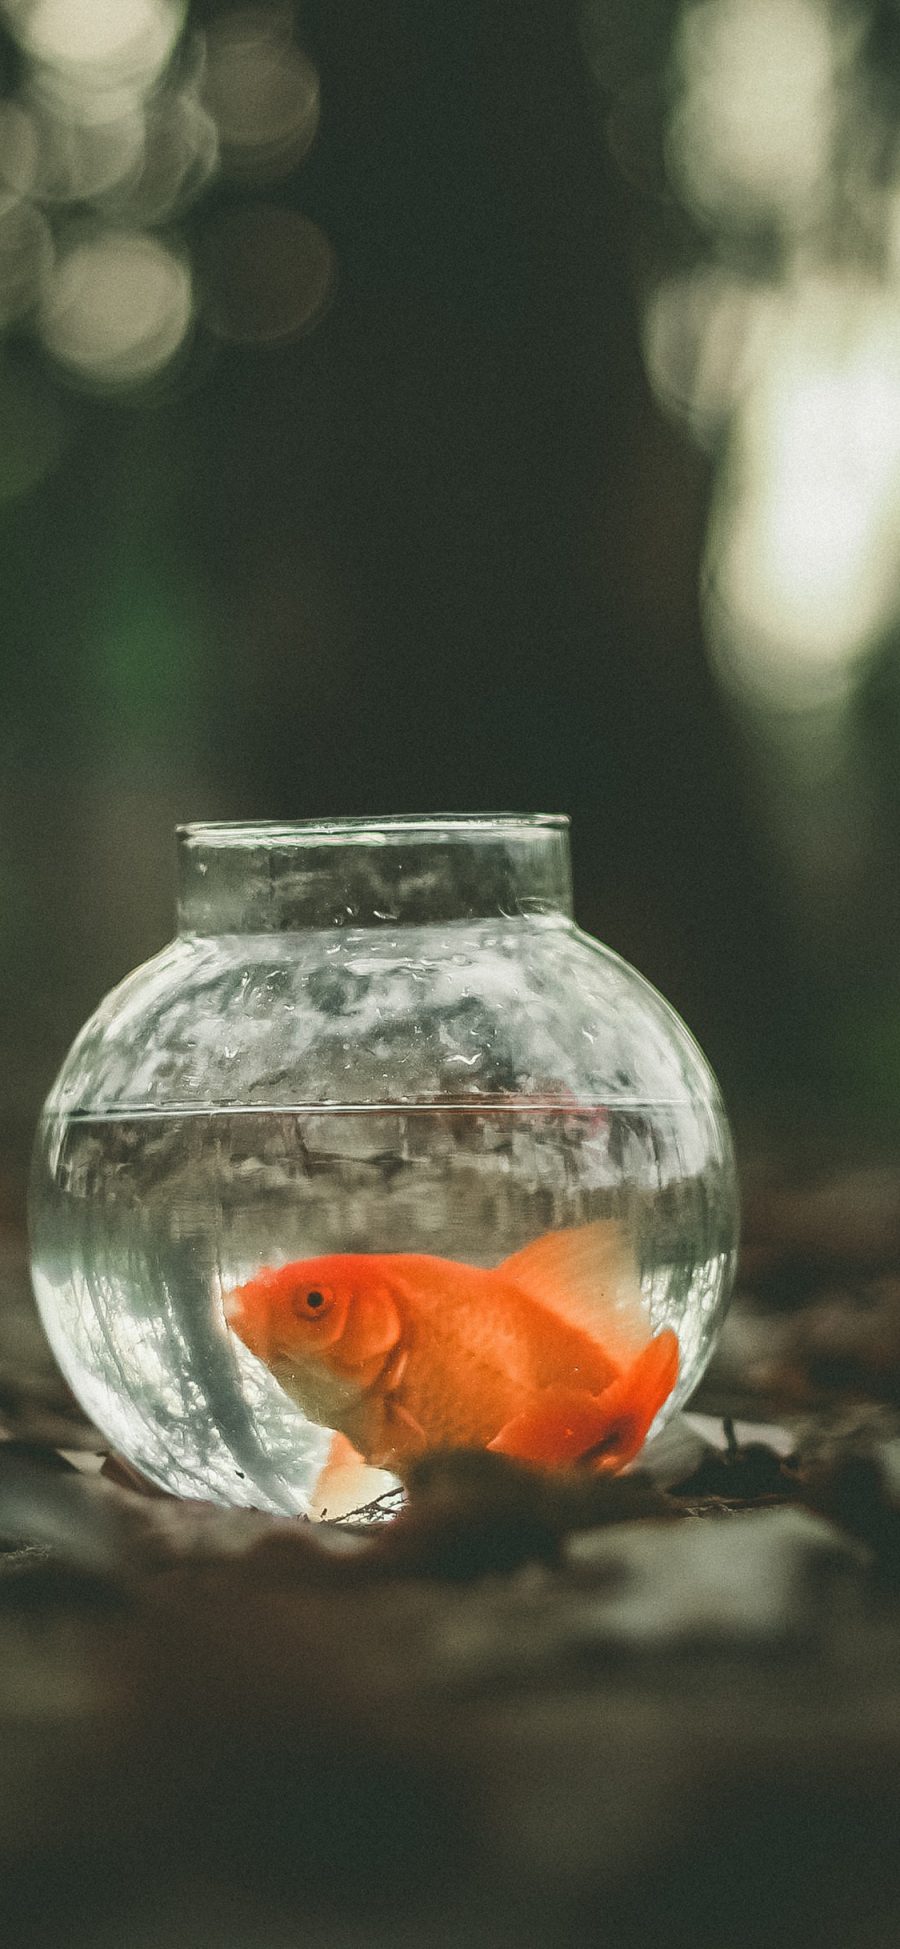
(120, 115)
(117, 308)
(262, 92)
(804, 546)
(768, 269)
(776, 343)
(99, 43)
(177, 159)
(26, 255)
(705, 334)
(750, 136)
(269, 274)
(56, 156)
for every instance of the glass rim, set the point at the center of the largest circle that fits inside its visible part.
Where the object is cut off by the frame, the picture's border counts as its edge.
(272, 832)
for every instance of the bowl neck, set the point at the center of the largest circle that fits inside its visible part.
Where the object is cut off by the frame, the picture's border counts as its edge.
(360, 873)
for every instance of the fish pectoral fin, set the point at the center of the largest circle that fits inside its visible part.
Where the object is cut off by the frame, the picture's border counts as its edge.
(393, 1373)
(566, 1425)
(408, 1421)
(560, 1424)
(387, 1433)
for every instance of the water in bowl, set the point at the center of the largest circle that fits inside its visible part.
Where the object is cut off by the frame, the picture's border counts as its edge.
(143, 1223)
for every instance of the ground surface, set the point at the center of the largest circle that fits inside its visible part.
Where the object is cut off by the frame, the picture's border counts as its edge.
(529, 1712)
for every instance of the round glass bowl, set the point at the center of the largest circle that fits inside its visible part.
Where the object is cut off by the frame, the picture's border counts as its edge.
(280, 1173)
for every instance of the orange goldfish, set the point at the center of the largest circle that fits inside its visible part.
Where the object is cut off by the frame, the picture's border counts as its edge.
(548, 1356)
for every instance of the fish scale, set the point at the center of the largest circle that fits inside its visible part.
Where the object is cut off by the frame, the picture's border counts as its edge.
(479, 1348)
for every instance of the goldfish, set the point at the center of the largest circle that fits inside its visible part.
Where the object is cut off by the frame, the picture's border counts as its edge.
(548, 1356)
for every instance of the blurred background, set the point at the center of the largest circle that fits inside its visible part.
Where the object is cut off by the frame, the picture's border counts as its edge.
(425, 407)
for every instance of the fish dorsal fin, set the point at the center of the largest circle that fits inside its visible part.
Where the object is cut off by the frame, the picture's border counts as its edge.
(588, 1276)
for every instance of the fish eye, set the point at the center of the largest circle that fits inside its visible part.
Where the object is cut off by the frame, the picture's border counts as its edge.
(307, 1304)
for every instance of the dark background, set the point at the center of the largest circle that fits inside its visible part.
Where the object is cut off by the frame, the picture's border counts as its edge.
(440, 553)
(446, 551)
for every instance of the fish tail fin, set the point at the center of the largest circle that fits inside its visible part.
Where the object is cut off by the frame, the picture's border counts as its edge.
(632, 1402)
(567, 1425)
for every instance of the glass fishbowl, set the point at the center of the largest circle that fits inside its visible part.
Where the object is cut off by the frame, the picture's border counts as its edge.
(380, 1155)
